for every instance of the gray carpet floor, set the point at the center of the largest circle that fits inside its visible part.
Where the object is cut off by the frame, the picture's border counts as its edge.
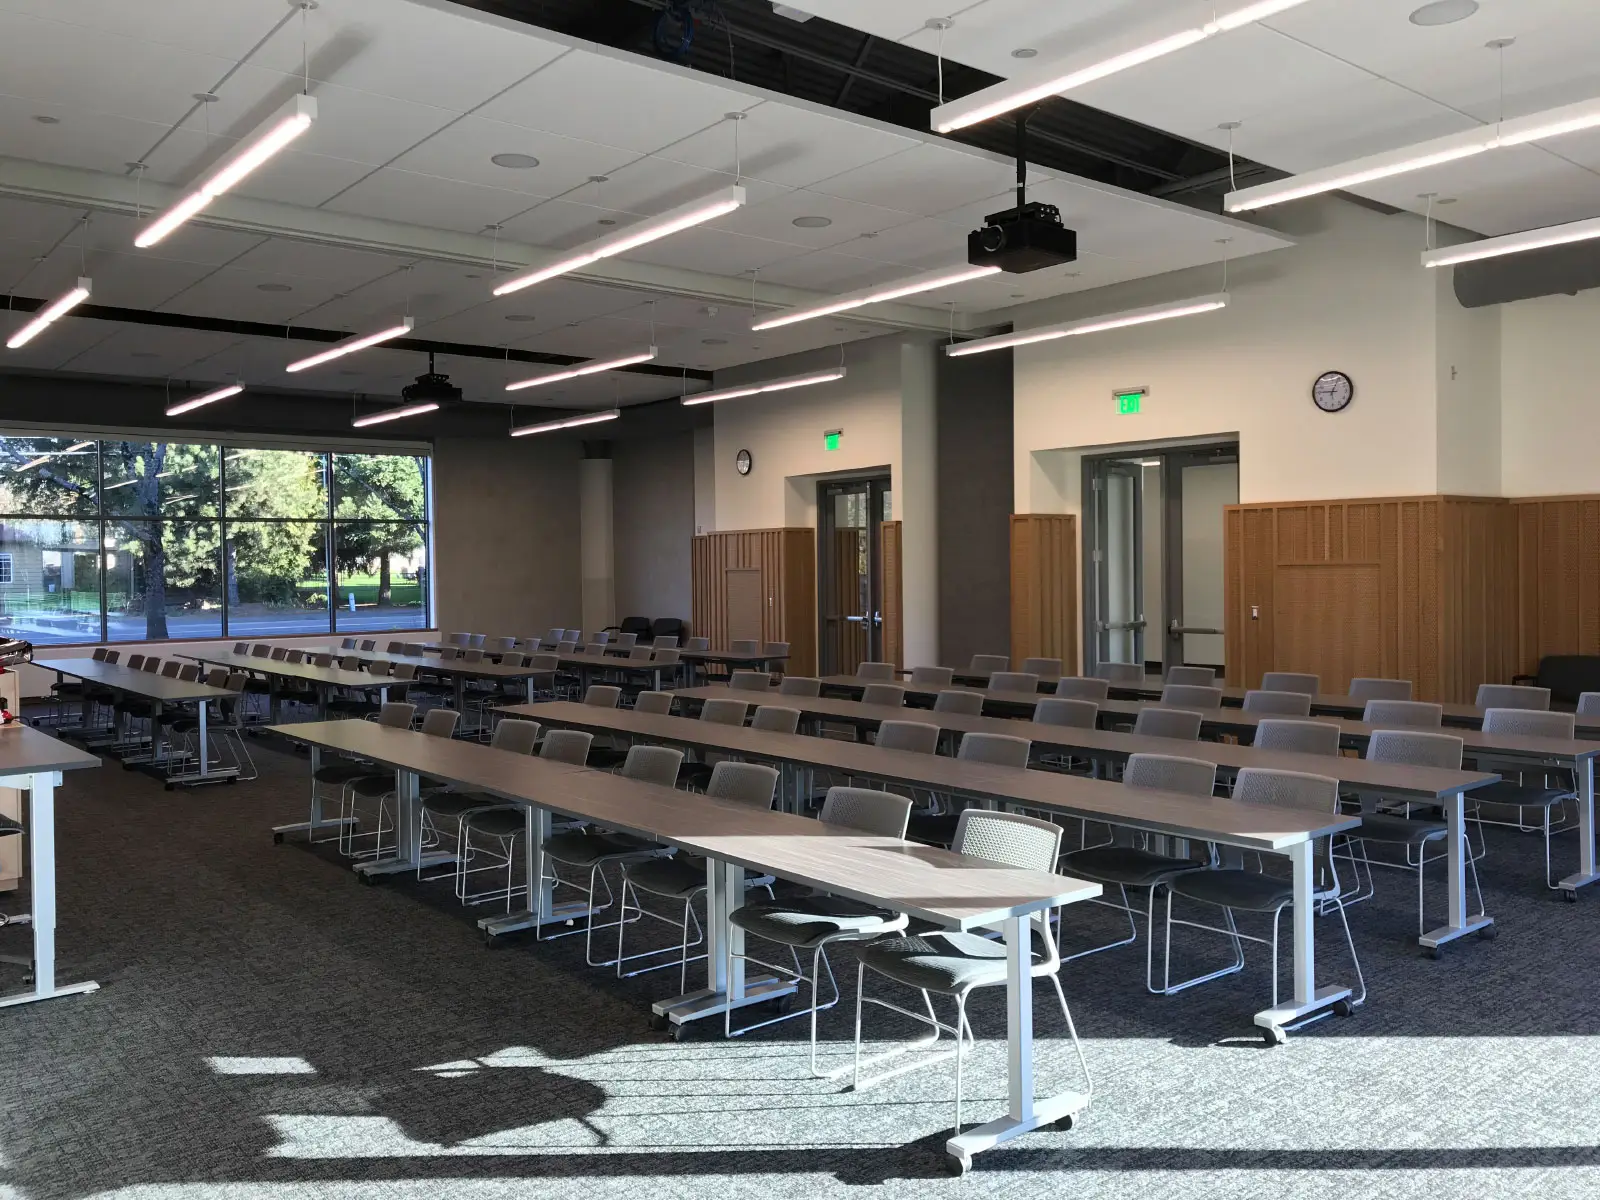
(268, 1029)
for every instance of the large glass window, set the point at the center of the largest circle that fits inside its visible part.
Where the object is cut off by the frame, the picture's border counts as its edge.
(145, 540)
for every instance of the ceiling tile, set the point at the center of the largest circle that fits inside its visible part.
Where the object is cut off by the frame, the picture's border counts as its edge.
(463, 152)
(926, 179)
(790, 145)
(424, 200)
(827, 271)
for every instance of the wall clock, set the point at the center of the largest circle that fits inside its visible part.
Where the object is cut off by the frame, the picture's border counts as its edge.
(742, 462)
(1333, 391)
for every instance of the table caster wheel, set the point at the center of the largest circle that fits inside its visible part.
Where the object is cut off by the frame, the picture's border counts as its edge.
(172, 787)
(1273, 1036)
(1570, 895)
(680, 1033)
(1065, 1124)
(658, 1022)
(957, 1164)
(366, 880)
(1489, 932)
(277, 839)
(1434, 952)
(1343, 1008)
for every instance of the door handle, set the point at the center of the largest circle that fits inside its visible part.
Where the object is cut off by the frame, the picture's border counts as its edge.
(1176, 629)
(1118, 626)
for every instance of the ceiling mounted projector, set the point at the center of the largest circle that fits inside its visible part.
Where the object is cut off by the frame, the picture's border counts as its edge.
(1029, 237)
(430, 386)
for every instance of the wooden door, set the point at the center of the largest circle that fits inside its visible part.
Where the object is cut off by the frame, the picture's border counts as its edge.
(746, 603)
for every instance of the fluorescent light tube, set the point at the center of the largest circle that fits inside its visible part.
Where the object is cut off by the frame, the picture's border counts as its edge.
(351, 345)
(1052, 79)
(610, 414)
(1121, 320)
(771, 385)
(50, 315)
(1514, 243)
(875, 295)
(593, 368)
(707, 208)
(394, 414)
(270, 137)
(210, 397)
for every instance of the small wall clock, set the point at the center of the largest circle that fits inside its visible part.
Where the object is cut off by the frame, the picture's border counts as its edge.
(742, 462)
(1333, 391)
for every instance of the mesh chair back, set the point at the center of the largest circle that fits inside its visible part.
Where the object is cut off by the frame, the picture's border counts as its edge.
(1192, 695)
(1290, 681)
(775, 719)
(473, 655)
(1121, 672)
(988, 664)
(1014, 681)
(1077, 687)
(1588, 704)
(99, 654)
(1282, 704)
(347, 644)
(1297, 737)
(724, 712)
(743, 783)
(350, 663)
(891, 694)
(639, 654)
(750, 681)
(867, 810)
(799, 685)
(603, 638)
(1074, 714)
(659, 703)
(1412, 714)
(519, 737)
(449, 653)
(556, 635)
(112, 656)
(1286, 789)
(217, 677)
(1415, 749)
(915, 736)
(567, 746)
(322, 660)
(279, 653)
(396, 715)
(1170, 773)
(667, 657)
(566, 647)
(152, 665)
(1530, 722)
(880, 671)
(776, 649)
(602, 695)
(170, 671)
(235, 682)
(477, 640)
(935, 677)
(968, 704)
(1194, 676)
(1366, 688)
(238, 648)
(395, 648)
(404, 672)
(1168, 723)
(413, 650)
(368, 645)
(653, 764)
(745, 646)
(511, 659)
(440, 722)
(1010, 838)
(379, 669)
(627, 641)
(1506, 695)
(546, 662)
(188, 673)
(667, 641)
(296, 656)
(699, 643)
(263, 650)
(455, 639)
(1044, 668)
(502, 644)
(135, 662)
(1001, 749)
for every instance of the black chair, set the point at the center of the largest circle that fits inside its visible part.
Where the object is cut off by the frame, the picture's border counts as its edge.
(1567, 676)
(673, 627)
(638, 626)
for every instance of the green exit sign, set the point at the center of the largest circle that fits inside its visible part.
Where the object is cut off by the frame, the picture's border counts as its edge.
(832, 438)
(1129, 401)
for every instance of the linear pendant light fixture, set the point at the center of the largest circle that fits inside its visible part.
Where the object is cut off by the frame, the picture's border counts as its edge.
(1553, 122)
(44, 458)
(351, 345)
(771, 385)
(884, 291)
(698, 212)
(211, 397)
(50, 315)
(1121, 320)
(592, 368)
(1514, 243)
(610, 414)
(270, 137)
(394, 414)
(1065, 74)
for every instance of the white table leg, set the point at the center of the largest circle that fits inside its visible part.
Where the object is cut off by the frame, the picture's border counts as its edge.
(1309, 1001)
(1587, 873)
(408, 855)
(542, 908)
(41, 835)
(318, 820)
(1455, 810)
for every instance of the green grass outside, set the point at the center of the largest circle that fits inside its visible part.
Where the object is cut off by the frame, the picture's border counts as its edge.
(403, 593)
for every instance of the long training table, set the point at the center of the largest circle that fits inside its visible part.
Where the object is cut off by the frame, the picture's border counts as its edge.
(950, 890)
(1285, 831)
(321, 680)
(456, 669)
(34, 762)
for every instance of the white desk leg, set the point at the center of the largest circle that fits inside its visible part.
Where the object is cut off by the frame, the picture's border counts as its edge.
(1309, 1001)
(1024, 1113)
(1586, 855)
(41, 835)
(318, 820)
(542, 908)
(205, 753)
(1455, 810)
(408, 855)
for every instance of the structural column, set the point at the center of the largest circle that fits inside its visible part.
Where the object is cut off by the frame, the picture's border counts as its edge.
(596, 556)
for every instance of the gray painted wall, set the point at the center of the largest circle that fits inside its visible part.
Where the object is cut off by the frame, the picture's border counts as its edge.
(652, 523)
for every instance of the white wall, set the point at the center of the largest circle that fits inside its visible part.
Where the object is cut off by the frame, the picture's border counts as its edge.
(1468, 380)
(916, 500)
(1550, 395)
(653, 501)
(1206, 491)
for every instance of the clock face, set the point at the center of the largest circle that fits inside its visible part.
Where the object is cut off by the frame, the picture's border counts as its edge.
(742, 462)
(1333, 391)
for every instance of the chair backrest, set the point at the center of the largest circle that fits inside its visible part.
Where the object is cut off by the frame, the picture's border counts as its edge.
(350, 663)
(1121, 672)
(413, 650)
(217, 677)
(556, 634)
(1588, 704)
(1415, 748)
(954, 700)
(1192, 695)
(866, 810)
(602, 695)
(1026, 843)
(511, 659)
(404, 672)
(261, 650)
(1168, 723)
(799, 685)
(567, 647)
(775, 649)
(603, 638)
(915, 736)
(1195, 676)
(397, 715)
(1014, 681)
(152, 665)
(699, 643)
(296, 656)
(450, 653)
(322, 660)
(988, 664)
(1079, 687)
(1286, 789)
(881, 671)
(566, 745)
(668, 641)
(279, 653)
(653, 764)
(517, 736)
(1075, 714)
(236, 681)
(455, 639)
(474, 655)
(380, 670)
(188, 673)
(1001, 749)
(1170, 773)
(1506, 695)
(368, 645)
(501, 644)
(666, 657)
(238, 648)
(891, 694)
(1282, 704)
(395, 648)
(745, 646)
(750, 681)
(170, 670)
(776, 719)
(1530, 722)
(1290, 681)
(937, 677)
(1412, 714)
(1044, 668)
(627, 641)
(546, 662)
(135, 662)
(99, 654)
(659, 703)
(346, 644)
(724, 712)
(743, 783)
(112, 656)
(1297, 737)
(639, 654)
(476, 640)
(440, 722)
(1367, 688)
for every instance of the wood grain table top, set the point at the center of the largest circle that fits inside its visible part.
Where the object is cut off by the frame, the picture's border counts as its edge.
(152, 685)
(27, 751)
(308, 672)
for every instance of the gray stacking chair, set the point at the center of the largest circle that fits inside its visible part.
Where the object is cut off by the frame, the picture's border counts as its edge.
(1278, 703)
(799, 685)
(666, 641)
(1192, 696)
(1194, 676)
(1403, 714)
(1519, 794)
(436, 722)
(1079, 687)
(1121, 673)
(1014, 681)
(954, 964)
(1179, 723)
(938, 826)
(342, 772)
(775, 649)
(653, 764)
(1297, 737)
(1075, 714)
(745, 646)
(750, 681)
(1589, 704)
(891, 694)
(1291, 681)
(776, 719)
(1365, 688)
(440, 806)
(1044, 668)
(988, 664)
(813, 923)
(915, 736)
(607, 757)
(717, 712)
(625, 641)
(1238, 890)
(932, 677)
(954, 701)
(879, 671)
(658, 703)
(698, 643)
(455, 639)
(1507, 695)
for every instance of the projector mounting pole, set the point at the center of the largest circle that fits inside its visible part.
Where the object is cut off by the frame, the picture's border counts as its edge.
(1023, 116)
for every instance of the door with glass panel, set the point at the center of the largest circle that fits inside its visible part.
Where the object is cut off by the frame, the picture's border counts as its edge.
(849, 560)
(1116, 561)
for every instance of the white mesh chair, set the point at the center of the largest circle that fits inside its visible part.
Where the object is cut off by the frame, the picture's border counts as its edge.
(954, 964)
(443, 806)
(932, 677)
(1179, 723)
(881, 672)
(652, 764)
(799, 685)
(668, 641)
(625, 641)
(698, 643)
(813, 923)
(1123, 674)
(750, 681)
(455, 639)
(1079, 687)
(1507, 695)
(988, 664)
(658, 703)
(1291, 681)
(1192, 696)
(342, 772)
(776, 719)
(1044, 668)
(1278, 703)
(1554, 786)
(715, 712)
(1366, 688)
(891, 694)
(1195, 676)
(1236, 890)
(607, 757)
(1075, 714)
(915, 736)
(436, 722)
(1297, 737)
(1589, 704)
(1014, 681)
(744, 646)
(954, 701)
(1403, 714)
(775, 649)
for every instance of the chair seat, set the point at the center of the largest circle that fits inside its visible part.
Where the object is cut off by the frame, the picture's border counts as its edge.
(695, 775)
(932, 829)
(804, 923)
(453, 804)
(940, 962)
(372, 785)
(1518, 795)
(680, 876)
(603, 758)
(8, 827)
(342, 772)
(1127, 866)
(1247, 890)
(1381, 827)
(585, 849)
(495, 822)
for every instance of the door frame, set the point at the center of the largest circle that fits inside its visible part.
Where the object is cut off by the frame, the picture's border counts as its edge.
(874, 485)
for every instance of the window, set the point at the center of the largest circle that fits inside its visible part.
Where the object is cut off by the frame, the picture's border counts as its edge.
(144, 540)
